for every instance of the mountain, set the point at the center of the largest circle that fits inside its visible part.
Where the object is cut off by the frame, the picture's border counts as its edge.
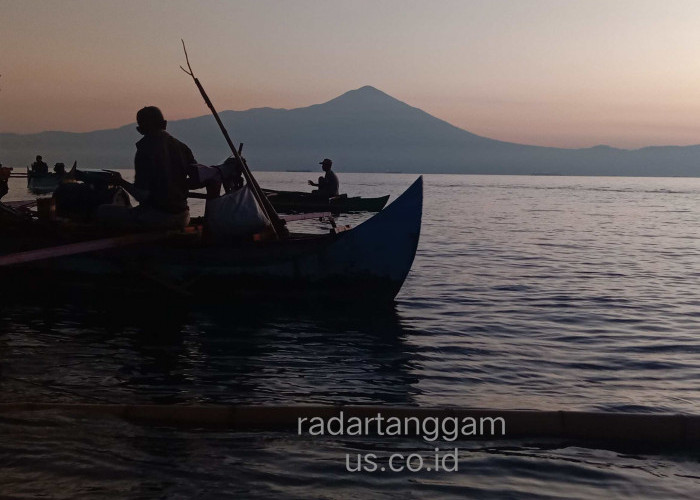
(364, 130)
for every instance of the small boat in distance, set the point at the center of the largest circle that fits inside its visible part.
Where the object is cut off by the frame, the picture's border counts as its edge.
(45, 183)
(299, 201)
(42, 183)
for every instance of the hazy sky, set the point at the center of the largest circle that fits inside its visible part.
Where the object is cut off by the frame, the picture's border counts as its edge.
(556, 73)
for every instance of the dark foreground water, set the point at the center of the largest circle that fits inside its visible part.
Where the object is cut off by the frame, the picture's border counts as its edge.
(557, 293)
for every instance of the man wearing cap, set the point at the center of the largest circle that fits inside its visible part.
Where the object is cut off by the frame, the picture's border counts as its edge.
(328, 184)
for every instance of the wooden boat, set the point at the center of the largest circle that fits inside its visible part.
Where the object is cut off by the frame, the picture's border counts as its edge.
(369, 262)
(297, 201)
(49, 182)
(43, 183)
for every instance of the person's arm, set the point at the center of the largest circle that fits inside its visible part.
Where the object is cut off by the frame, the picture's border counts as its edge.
(140, 195)
(139, 188)
(193, 170)
(321, 182)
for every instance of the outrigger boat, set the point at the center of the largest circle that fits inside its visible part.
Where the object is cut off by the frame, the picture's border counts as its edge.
(297, 201)
(369, 262)
(43, 183)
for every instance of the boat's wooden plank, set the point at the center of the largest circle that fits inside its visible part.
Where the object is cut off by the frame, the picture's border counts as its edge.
(20, 204)
(314, 215)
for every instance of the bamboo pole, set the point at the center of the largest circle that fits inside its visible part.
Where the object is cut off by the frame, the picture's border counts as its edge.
(79, 248)
(665, 429)
(263, 202)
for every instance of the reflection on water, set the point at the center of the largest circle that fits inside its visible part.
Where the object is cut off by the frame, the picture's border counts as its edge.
(243, 353)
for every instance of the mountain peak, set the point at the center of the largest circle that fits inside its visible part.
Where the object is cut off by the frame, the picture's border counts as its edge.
(367, 91)
(366, 96)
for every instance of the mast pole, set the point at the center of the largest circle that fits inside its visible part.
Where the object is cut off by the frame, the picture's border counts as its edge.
(278, 226)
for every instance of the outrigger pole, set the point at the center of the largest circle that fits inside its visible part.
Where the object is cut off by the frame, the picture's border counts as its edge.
(277, 224)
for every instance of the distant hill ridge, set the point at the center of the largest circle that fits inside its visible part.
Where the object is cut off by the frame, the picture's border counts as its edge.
(363, 130)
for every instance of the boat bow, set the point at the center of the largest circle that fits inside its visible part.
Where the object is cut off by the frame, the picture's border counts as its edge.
(384, 246)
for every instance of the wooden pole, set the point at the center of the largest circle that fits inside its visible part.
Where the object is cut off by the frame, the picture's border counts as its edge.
(78, 248)
(267, 208)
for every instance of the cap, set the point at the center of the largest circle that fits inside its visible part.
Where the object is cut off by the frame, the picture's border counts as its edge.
(325, 161)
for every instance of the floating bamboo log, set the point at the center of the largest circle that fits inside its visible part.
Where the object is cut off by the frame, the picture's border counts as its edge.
(647, 428)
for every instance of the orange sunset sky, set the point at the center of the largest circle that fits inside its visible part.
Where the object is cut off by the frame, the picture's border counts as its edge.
(553, 73)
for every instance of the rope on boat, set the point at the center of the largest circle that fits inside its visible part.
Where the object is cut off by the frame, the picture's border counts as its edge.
(667, 429)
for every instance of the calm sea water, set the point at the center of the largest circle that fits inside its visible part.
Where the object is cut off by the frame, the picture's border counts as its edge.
(565, 293)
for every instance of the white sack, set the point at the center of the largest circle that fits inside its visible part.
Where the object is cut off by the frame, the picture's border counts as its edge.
(235, 214)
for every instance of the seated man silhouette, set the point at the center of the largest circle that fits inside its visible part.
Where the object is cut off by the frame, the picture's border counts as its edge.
(59, 169)
(39, 167)
(161, 168)
(328, 184)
